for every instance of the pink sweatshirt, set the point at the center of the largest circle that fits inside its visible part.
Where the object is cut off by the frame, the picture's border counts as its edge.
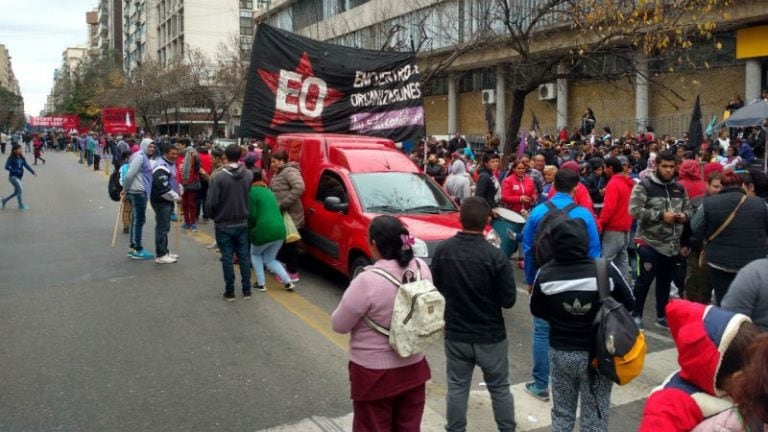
(373, 295)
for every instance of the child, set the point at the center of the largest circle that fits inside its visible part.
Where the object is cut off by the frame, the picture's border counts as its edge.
(38, 146)
(711, 345)
(15, 166)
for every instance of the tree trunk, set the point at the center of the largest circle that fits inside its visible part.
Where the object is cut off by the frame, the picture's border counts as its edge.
(215, 132)
(515, 117)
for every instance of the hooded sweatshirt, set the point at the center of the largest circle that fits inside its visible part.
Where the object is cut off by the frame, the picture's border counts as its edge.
(690, 178)
(138, 179)
(458, 185)
(227, 199)
(565, 291)
(615, 214)
(702, 335)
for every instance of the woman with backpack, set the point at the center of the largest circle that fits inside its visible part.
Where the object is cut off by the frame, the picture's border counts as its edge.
(15, 165)
(388, 391)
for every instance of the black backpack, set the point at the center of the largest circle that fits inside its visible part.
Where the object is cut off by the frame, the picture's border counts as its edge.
(619, 344)
(543, 249)
(114, 188)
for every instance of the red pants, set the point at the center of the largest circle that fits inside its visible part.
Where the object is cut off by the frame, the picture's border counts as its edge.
(189, 206)
(401, 413)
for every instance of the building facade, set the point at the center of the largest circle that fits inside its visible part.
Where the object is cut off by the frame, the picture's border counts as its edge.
(140, 41)
(479, 80)
(110, 29)
(7, 78)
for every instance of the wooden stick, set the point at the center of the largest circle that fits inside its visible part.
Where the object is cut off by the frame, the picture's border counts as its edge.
(117, 222)
(178, 227)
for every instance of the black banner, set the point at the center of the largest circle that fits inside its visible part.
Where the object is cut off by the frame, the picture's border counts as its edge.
(296, 84)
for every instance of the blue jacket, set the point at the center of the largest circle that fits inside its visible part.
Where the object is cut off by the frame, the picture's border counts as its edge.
(560, 200)
(15, 166)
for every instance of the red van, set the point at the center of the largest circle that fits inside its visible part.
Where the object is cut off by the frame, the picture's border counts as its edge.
(352, 179)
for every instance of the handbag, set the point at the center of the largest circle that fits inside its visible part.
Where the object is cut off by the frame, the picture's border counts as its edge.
(728, 220)
(291, 232)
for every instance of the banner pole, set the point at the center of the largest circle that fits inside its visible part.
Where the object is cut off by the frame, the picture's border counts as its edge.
(117, 222)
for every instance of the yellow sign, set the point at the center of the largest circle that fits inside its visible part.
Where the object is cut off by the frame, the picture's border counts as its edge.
(752, 42)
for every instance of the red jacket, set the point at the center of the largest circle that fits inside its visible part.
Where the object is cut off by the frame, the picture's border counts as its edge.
(581, 198)
(615, 214)
(206, 162)
(512, 189)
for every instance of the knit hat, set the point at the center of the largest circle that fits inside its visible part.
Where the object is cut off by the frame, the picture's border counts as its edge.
(712, 167)
(702, 335)
(571, 165)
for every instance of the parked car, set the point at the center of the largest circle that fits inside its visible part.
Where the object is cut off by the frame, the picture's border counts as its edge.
(352, 179)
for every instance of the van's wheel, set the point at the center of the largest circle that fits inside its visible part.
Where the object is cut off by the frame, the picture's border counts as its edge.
(358, 265)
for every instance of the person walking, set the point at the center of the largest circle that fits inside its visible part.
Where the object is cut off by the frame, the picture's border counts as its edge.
(661, 207)
(15, 165)
(288, 185)
(166, 192)
(388, 391)
(566, 187)
(477, 282)
(37, 146)
(227, 203)
(458, 183)
(566, 295)
(266, 232)
(137, 187)
(734, 227)
(190, 174)
(615, 220)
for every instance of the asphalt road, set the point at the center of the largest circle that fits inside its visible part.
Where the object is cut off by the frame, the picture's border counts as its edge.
(93, 341)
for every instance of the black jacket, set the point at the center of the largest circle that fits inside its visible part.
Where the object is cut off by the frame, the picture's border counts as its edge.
(485, 187)
(477, 282)
(227, 198)
(744, 240)
(565, 290)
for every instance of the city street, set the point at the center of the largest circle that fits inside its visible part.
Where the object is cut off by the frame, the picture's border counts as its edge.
(93, 341)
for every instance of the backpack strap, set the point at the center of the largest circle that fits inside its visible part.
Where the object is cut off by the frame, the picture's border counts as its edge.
(375, 326)
(602, 278)
(386, 275)
(567, 209)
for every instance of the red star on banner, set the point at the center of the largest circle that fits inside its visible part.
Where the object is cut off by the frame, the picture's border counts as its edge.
(300, 95)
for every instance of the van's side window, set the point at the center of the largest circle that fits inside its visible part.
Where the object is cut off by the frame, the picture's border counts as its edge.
(331, 186)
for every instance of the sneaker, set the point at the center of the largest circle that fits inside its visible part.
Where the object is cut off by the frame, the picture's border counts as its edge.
(260, 288)
(185, 226)
(174, 218)
(662, 322)
(533, 390)
(166, 259)
(230, 297)
(247, 295)
(2, 204)
(143, 255)
(173, 255)
(289, 286)
(294, 277)
(131, 253)
(24, 208)
(193, 227)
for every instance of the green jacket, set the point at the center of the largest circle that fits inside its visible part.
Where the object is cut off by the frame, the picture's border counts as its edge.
(649, 200)
(265, 222)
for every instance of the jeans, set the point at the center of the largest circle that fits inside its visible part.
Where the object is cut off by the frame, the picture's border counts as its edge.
(200, 200)
(720, 281)
(615, 249)
(573, 380)
(266, 254)
(82, 153)
(541, 353)
(461, 358)
(89, 157)
(234, 240)
(653, 265)
(17, 191)
(162, 226)
(138, 218)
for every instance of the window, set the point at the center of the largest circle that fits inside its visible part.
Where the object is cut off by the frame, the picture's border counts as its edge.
(331, 185)
(246, 4)
(477, 80)
(437, 86)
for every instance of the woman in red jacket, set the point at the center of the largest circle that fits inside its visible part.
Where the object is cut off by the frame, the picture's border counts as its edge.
(518, 193)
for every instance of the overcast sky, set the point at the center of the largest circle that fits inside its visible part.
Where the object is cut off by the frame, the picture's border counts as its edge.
(36, 32)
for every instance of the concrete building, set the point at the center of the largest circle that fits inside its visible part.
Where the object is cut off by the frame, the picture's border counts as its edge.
(734, 62)
(140, 21)
(7, 78)
(92, 20)
(110, 28)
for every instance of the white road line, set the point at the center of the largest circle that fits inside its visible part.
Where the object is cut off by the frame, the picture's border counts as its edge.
(530, 412)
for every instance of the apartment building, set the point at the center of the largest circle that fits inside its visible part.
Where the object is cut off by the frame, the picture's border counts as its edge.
(140, 22)
(7, 79)
(734, 62)
(110, 28)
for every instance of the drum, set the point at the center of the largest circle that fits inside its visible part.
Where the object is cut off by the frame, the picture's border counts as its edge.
(509, 227)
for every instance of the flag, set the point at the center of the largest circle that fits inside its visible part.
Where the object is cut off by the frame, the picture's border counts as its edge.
(710, 132)
(523, 143)
(695, 132)
(535, 126)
